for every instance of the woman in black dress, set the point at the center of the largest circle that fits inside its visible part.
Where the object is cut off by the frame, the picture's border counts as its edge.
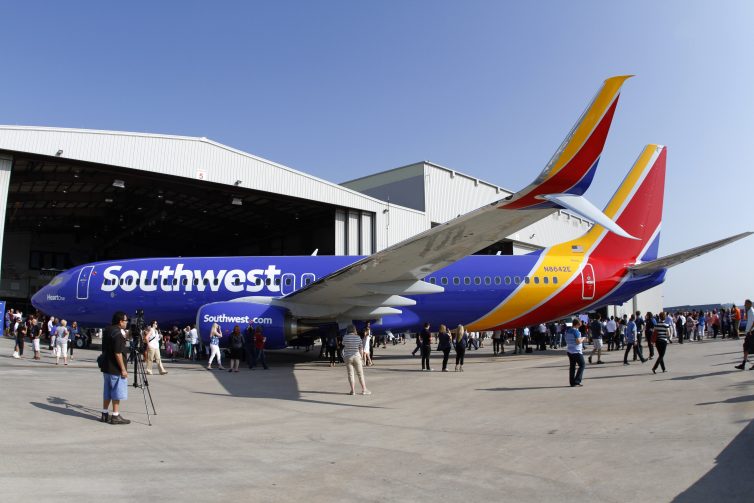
(236, 348)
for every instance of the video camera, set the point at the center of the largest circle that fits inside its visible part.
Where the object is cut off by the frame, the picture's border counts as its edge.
(136, 328)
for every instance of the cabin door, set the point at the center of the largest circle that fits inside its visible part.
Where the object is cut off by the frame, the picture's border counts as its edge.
(588, 282)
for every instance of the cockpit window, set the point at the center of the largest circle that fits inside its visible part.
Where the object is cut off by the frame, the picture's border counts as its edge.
(56, 280)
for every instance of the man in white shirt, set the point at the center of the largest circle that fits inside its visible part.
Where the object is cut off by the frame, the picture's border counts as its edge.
(748, 335)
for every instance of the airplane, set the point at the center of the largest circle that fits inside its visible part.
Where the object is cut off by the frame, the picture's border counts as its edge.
(431, 277)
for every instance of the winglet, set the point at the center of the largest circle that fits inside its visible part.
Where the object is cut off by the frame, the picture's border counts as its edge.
(572, 167)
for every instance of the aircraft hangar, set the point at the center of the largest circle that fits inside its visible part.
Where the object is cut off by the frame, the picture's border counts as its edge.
(74, 196)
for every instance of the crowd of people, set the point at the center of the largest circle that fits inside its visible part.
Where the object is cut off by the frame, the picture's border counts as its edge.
(627, 334)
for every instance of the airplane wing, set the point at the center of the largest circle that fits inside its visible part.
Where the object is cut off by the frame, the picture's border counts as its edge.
(374, 286)
(647, 268)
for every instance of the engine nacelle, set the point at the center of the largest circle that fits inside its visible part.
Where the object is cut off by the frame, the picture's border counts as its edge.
(277, 325)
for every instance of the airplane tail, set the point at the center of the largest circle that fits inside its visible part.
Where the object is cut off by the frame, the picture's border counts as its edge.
(635, 207)
(571, 169)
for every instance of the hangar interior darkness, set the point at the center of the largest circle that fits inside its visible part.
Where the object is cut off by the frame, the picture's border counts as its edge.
(63, 213)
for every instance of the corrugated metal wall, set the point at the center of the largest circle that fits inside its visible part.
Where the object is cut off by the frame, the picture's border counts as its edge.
(199, 158)
(6, 163)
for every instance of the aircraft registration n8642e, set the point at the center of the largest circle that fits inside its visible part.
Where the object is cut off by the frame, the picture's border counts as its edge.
(432, 277)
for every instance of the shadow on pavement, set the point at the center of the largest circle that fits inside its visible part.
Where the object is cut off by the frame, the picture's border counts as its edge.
(523, 388)
(730, 479)
(279, 382)
(736, 399)
(61, 406)
(699, 376)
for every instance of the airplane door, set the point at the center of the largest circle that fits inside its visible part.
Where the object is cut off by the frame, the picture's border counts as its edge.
(287, 283)
(588, 282)
(82, 288)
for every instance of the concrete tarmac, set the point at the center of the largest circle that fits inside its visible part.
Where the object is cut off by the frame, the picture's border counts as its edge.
(506, 429)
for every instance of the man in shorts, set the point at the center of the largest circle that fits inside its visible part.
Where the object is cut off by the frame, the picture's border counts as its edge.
(114, 372)
(748, 335)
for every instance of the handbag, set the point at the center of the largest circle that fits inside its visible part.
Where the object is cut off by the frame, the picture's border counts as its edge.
(101, 361)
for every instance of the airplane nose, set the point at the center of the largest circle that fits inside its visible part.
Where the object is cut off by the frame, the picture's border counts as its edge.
(37, 300)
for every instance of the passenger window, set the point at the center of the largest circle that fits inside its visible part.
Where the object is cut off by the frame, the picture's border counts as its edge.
(517, 280)
(206, 281)
(267, 282)
(433, 281)
(536, 280)
(456, 280)
(217, 281)
(498, 280)
(527, 280)
(277, 281)
(237, 282)
(466, 280)
(554, 280)
(259, 281)
(444, 280)
(508, 280)
(185, 281)
(546, 280)
(487, 280)
(477, 280)
(175, 281)
(165, 281)
(287, 281)
(196, 281)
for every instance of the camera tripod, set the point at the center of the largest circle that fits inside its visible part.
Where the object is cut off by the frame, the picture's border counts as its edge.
(141, 381)
(137, 327)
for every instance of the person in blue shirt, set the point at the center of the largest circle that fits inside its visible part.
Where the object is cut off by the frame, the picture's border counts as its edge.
(631, 338)
(574, 349)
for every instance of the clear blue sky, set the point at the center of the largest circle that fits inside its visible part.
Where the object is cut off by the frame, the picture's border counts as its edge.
(342, 89)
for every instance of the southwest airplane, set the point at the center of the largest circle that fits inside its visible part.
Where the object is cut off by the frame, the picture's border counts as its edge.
(430, 277)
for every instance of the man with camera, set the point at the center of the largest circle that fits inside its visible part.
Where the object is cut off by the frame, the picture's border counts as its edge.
(113, 366)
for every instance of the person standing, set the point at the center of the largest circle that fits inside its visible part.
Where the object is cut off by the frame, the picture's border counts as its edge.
(153, 336)
(353, 348)
(518, 341)
(596, 329)
(368, 340)
(631, 340)
(444, 344)
(20, 336)
(215, 334)
(680, 327)
(735, 321)
(611, 327)
(114, 372)
(661, 338)
(34, 333)
(425, 339)
(748, 335)
(61, 342)
(574, 348)
(236, 348)
(496, 338)
(75, 334)
(331, 346)
(649, 325)
(259, 341)
(461, 341)
(249, 347)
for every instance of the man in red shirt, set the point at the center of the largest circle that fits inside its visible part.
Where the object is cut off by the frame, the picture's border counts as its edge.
(259, 340)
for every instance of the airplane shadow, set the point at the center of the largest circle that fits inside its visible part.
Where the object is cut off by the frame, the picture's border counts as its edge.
(589, 378)
(279, 382)
(730, 479)
(723, 354)
(61, 406)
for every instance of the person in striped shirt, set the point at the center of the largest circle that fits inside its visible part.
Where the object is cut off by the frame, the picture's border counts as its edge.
(660, 338)
(353, 353)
